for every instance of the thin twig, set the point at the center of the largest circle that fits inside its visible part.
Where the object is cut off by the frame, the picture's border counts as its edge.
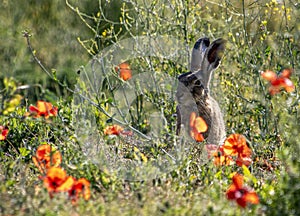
(36, 59)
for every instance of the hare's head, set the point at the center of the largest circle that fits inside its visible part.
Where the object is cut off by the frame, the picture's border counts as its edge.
(206, 58)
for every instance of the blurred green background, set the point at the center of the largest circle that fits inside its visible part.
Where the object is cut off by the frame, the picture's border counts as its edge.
(55, 31)
(59, 34)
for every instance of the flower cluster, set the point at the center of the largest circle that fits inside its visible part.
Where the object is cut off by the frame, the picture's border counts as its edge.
(279, 82)
(236, 146)
(48, 160)
(241, 194)
(55, 178)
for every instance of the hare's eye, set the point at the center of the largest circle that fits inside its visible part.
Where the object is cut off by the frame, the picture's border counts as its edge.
(197, 83)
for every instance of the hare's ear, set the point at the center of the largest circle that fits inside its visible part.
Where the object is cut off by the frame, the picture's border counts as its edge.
(214, 53)
(211, 60)
(198, 53)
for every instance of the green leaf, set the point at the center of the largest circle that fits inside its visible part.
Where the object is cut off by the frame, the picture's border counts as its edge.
(248, 175)
(24, 152)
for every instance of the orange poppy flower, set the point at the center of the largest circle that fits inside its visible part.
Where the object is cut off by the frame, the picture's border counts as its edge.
(241, 194)
(3, 132)
(223, 160)
(220, 159)
(44, 109)
(80, 188)
(279, 82)
(236, 145)
(56, 180)
(116, 130)
(197, 127)
(46, 157)
(217, 152)
(124, 71)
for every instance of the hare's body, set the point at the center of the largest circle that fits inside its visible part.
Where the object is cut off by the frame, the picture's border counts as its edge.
(193, 91)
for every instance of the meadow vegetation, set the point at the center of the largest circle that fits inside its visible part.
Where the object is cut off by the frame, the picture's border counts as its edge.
(45, 167)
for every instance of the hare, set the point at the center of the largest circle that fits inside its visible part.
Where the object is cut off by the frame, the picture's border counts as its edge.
(193, 93)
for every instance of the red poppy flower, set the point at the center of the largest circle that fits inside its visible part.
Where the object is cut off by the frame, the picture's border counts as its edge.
(279, 82)
(236, 145)
(80, 188)
(197, 127)
(124, 71)
(46, 157)
(116, 130)
(56, 180)
(44, 109)
(3, 132)
(241, 194)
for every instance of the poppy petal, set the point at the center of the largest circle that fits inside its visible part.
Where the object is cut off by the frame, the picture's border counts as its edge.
(38, 164)
(56, 172)
(286, 73)
(3, 133)
(288, 85)
(231, 192)
(66, 185)
(200, 125)
(33, 108)
(124, 70)
(86, 185)
(251, 197)
(241, 202)
(238, 180)
(269, 75)
(198, 137)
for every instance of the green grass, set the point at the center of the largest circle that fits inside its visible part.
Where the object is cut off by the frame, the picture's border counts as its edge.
(260, 35)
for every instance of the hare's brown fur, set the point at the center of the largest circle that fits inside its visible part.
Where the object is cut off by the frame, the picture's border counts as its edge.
(193, 91)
